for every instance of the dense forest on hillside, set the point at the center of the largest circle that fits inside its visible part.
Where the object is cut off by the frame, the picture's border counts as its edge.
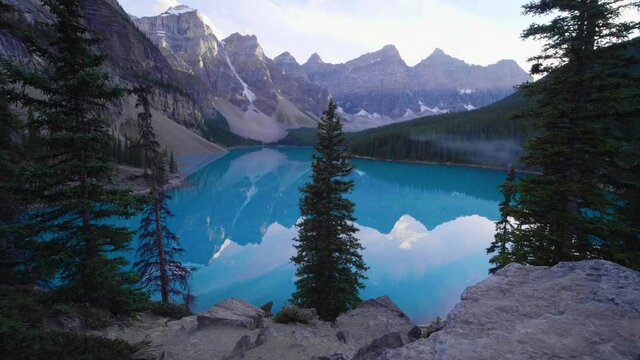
(488, 136)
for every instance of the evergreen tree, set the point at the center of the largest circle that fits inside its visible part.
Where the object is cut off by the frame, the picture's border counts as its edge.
(158, 247)
(565, 214)
(504, 227)
(173, 166)
(71, 175)
(10, 209)
(330, 268)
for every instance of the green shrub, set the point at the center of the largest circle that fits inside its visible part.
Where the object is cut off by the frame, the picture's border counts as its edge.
(19, 342)
(22, 336)
(169, 310)
(292, 314)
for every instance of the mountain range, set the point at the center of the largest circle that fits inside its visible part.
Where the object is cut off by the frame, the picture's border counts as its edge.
(375, 89)
(229, 89)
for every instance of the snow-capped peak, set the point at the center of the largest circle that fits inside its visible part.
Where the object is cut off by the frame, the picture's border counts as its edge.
(177, 10)
(363, 113)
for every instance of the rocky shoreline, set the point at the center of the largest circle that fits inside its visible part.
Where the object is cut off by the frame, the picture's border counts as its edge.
(132, 178)
(582, 310)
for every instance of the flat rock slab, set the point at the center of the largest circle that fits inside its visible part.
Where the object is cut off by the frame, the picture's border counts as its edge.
(233, 312)
(580, 310)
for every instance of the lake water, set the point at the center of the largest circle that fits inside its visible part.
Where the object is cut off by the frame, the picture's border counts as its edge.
(425, 228)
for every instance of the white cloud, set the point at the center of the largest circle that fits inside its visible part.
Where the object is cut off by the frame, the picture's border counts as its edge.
(162, 5)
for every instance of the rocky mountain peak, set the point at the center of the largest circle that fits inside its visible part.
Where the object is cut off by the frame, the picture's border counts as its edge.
(285, 58)
(315, 59)
(390, 50)
(178, 10)
(508, 64)
(246, 45)
(438, 52)
(387, 59)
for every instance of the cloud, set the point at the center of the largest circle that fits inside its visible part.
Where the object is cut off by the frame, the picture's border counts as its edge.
(162, 5)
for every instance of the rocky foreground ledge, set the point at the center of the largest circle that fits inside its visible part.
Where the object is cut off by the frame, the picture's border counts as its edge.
(582, 310)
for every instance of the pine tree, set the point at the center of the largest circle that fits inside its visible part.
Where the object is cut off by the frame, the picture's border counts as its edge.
(330, 268)
(504, 228)
(71, 174)
(565, 213)
(158, 247)
(173, 166)
(10, 209)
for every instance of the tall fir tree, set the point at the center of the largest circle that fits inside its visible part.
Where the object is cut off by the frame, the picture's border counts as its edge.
(500, 246)
(71, 174)
(330, 268)
(10, 209)
(159, 247)
(565, 214)
(173, 166)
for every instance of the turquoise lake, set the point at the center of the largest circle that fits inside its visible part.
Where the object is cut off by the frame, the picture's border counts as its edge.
(425, 228)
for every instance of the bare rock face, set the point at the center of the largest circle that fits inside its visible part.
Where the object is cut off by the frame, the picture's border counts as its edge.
(234, 76)
(190, 46)
(582, 310)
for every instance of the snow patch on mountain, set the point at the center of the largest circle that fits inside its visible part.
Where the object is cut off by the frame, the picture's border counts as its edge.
(466, 91)
(177, 10)
(250, 95)
(433, 110)
(469, 107)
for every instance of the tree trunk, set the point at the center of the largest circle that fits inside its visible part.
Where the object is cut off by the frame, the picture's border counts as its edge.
(164, 278)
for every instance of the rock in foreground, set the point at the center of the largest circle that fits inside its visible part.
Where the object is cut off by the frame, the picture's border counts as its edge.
(234, 329)
(581, 310)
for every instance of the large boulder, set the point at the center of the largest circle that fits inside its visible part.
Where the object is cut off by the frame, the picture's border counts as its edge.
(233, 312)
(582, 310)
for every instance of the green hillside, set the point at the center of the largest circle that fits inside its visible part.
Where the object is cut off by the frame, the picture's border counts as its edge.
(486, 136)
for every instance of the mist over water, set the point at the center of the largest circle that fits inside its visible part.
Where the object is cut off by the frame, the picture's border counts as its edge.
(425, 228)
(504, 152)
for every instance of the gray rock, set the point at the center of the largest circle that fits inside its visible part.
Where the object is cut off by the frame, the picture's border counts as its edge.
(167, 355)
(383, 302)
(242, 345)
(336, 356)
(267, 308)
(186, 325)
(415, 333)
(378, 346)
(261, 338)
(233, 312)
(341, 336)
(310, 314)
(580, 310)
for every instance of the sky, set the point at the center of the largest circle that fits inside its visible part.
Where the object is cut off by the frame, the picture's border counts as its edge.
(480, 32)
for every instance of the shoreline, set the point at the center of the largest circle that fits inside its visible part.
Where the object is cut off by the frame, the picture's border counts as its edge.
(360, 157)
(424, 162)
